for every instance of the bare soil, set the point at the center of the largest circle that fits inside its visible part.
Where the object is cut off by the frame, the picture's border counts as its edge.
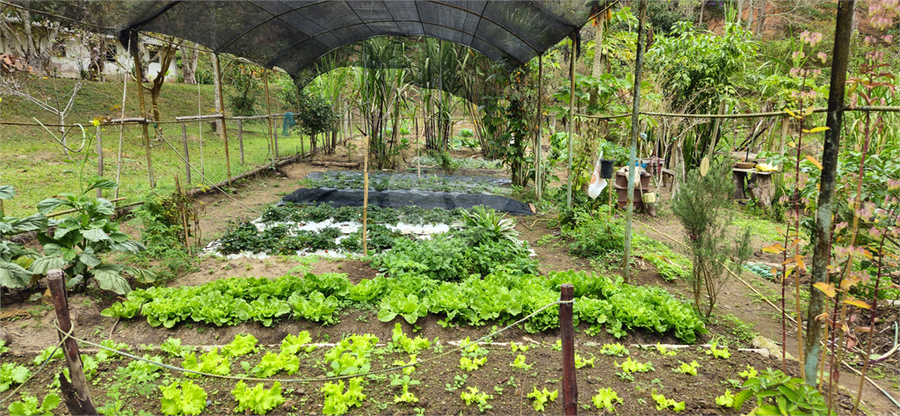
(29, 321)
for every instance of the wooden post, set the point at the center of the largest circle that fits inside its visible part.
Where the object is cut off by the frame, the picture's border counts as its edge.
(269, 118)
(187, 155)
(539, 139)
(217, 68)
(99, 159)
(570, 130)
(76, 394)
(365, 191)
(139, 74)
(635, 126)
(241, 138)
(567, 332)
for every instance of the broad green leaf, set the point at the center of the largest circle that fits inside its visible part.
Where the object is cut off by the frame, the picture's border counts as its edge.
(30, 223)
(94, 235)
(44, 264)
(103, 184)
(7, 192)
(48, 205)
(89, 259)
(109, 278)
(144, 276)
(13, 276)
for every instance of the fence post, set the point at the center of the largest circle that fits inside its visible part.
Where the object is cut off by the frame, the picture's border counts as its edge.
(99, 159)
(221, 109)
(76, 394)
(187, 155)
(241, 138)
(567, 333)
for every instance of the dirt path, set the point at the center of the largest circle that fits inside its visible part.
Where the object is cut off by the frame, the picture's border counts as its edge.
(33, 329)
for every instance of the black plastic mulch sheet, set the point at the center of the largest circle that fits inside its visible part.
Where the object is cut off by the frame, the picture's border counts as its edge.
(397, 199)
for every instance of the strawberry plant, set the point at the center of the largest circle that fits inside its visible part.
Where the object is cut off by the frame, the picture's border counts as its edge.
(606, 398)
(258, 400)
(542, 397)
(190, 399)
(338, 402)
(29, 405)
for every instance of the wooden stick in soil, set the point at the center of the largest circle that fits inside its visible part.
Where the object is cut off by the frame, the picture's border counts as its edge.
(241, 139)
(139, 74)
(365, 190)
(77, 395)
(539, 139)
(218, 69)
(122, 127)
(567, 332)
(99, 159)
(187, 155)
(872, 314)
(274, 138)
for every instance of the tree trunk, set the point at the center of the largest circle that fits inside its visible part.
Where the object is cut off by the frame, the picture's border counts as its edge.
(760, 18)
(217, 89)
(166, 55)
(189, 58)
(702, 8)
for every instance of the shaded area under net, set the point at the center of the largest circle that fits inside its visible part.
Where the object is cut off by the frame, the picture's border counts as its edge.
(435, 182)
(399, 198)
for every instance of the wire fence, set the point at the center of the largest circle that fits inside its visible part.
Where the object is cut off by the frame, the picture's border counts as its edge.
(66, 335)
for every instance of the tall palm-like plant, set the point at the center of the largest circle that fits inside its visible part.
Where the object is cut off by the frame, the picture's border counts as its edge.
(378, 82)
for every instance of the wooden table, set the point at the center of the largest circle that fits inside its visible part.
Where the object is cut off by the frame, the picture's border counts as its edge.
(759, 185)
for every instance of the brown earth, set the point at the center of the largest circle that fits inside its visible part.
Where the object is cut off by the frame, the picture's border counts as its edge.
(30, 323)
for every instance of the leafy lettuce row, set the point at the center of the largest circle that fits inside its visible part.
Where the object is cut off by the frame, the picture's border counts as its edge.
(500, 296)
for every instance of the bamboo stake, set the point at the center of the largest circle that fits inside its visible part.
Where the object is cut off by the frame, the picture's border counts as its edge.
(217, 68)
(241, 138)
(272, 137)
(365, 191)
(139, 74)
(122, 127)
(635, 125)
(99, 159)
(187, 155)
(538, 189)
(571, 122)
(200, 127)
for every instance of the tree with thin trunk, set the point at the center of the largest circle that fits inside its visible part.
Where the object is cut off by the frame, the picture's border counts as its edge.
(189, 57)
(57, 103)
(166, 55)
(27, 42)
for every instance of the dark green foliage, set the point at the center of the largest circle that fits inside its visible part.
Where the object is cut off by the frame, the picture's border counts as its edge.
(701, 205)
(596, 235)
(246, 85)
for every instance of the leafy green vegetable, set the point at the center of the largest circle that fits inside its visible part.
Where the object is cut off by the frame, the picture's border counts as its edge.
(519, 362)
(718, 352)
(606, 398)
(686, 368)
(45, 354)
(725, 400)
(190, 399)
(616, 349)
(272, 363)
(338, 402)
(351, 355)
(29, 405)
(472, 364)
(242, 344)
(474, 396)
(173, 347)
(210, 362)
(292, 344)
(662, 403)
(12, 374)
(405, 343)
(258, 400)
(541, 398)
(581, 362)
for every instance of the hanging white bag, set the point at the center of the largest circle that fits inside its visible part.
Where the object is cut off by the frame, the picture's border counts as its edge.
(597, 183)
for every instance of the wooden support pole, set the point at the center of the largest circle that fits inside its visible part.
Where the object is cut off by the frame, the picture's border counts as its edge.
(635, 127)
(365, 191)
(187, 154)
(76, 395)
(217, 67)
(539, 139)
(567, 333)
(241, 138)
(139, 74)
(269, 118)
(571, 122)
(99, 160)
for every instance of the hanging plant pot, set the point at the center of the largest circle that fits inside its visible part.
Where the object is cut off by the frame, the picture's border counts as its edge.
(606, 168)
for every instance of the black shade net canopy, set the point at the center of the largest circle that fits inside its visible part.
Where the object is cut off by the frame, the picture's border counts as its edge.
(293, 35)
